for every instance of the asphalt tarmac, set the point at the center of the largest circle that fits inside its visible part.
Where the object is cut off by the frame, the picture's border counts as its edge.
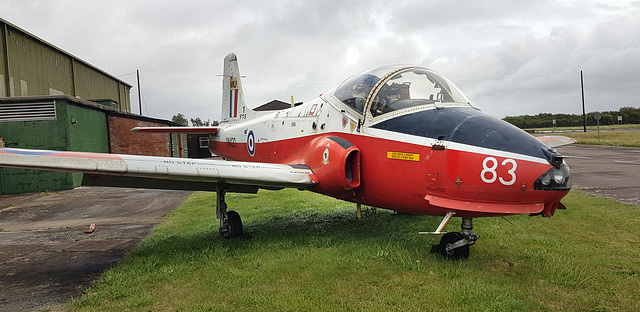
(46, 258)
(612, 172)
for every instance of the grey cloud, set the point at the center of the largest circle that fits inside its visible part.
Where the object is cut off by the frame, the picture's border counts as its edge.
(509, 57)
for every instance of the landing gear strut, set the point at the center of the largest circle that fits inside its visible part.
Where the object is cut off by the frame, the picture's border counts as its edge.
(230, 222)
(455, 245)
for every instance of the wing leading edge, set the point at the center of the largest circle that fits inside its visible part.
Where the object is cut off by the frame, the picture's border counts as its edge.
(159, 172)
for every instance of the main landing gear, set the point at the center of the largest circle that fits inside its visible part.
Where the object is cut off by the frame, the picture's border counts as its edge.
(455, 245)
(230, 222)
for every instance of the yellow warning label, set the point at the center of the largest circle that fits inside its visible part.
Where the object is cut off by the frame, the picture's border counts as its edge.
(403, 156)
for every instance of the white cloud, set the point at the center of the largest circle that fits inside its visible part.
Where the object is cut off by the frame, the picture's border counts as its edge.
(509, 57)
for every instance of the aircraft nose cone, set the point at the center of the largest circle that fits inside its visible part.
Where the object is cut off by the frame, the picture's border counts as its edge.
(480, 129)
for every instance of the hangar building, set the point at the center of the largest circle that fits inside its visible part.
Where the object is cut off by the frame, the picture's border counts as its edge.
(50, 99)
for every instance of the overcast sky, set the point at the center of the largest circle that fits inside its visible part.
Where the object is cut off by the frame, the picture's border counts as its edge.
(509, 57)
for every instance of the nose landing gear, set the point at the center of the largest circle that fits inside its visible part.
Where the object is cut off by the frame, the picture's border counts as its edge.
(455, 245)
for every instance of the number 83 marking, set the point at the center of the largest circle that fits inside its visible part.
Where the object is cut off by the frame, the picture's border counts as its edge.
(489, 174)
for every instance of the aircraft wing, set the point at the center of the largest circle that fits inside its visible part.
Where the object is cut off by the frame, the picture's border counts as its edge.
(556, 140)
(160, 172)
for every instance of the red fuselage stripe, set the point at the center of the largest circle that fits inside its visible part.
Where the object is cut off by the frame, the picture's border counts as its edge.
(402, 182)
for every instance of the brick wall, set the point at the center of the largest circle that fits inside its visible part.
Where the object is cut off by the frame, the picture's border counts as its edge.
(123, 141)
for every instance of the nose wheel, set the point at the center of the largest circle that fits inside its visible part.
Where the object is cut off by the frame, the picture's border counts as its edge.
(447, 246)
(455, 245)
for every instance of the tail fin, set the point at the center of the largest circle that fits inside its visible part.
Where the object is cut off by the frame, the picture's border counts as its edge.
(233, 106)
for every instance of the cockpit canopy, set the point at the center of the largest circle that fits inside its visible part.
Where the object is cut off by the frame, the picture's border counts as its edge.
(390, 88)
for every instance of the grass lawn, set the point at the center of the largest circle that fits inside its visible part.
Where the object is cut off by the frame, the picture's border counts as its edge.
(591, 128)
(624, 135)
(309, 252)
(608, 137)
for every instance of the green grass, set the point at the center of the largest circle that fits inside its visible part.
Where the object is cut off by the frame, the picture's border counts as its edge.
(609, 137)
(309, 252)
(590, 128)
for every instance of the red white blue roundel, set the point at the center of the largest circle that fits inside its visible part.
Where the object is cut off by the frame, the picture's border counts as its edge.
(251, 143)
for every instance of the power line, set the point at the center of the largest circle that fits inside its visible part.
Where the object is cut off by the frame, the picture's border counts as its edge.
(156, 91)
(243, 81)
(143, 103)
(289, 83)
(127, 74)
(183, 79)
(516, 77)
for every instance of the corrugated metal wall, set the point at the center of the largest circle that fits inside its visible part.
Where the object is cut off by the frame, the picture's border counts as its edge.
(30, 66)
(4, 81)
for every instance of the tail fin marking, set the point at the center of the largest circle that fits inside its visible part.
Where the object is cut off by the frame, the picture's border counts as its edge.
(233, 107)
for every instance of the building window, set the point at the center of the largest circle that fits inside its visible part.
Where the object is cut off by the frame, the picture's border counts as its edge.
(204, 142)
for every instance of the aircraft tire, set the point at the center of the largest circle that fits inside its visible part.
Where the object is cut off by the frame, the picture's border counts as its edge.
(234, 225)
(458, 253)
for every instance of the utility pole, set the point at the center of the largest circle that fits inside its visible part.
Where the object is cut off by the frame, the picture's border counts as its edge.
(140, 102)
(584, 115)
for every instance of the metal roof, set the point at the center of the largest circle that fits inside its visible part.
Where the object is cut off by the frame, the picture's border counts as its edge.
(62, 51)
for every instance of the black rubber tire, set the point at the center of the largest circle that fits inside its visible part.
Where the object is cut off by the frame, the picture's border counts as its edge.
(458, 253)
(235, 224)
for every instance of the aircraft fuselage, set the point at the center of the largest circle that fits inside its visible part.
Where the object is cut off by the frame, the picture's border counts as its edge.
(409, 172)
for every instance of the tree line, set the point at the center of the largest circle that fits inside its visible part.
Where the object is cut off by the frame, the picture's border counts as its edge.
(630, 115)
(195, 122)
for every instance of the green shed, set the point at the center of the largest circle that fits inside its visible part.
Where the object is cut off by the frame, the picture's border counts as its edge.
(49, 124)
(67, 123)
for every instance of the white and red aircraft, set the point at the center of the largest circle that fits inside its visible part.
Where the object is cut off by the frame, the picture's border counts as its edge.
(402, 138)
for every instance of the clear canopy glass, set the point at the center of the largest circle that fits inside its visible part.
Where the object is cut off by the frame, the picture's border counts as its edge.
(389, 88)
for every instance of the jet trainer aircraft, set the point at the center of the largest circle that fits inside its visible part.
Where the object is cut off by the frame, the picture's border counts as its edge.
(402, 138)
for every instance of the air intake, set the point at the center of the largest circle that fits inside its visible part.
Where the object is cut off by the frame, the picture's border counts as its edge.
(27, 111)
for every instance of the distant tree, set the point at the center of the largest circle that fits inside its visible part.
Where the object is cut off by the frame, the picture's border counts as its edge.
(630, 115)
(197, 122)
(180, 119)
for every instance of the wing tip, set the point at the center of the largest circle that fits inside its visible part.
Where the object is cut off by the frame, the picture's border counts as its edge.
(556, 140)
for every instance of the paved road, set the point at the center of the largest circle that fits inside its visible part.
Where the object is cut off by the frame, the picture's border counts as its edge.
(46, 258)
(605, 171)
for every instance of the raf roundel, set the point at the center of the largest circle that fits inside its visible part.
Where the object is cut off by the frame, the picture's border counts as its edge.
(251, 143)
